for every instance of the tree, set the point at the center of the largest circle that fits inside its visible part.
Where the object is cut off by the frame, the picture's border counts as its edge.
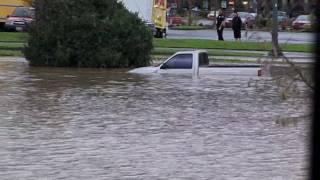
(188, 4)
(190, 18)
(82, 33)
(269, 18)
(276, 51)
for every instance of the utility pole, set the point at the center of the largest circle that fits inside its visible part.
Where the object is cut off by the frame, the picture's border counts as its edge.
(275, 44)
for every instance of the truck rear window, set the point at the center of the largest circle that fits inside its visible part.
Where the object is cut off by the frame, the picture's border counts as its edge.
(203, 59)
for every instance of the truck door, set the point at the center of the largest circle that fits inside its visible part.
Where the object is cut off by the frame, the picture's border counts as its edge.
(179, 64)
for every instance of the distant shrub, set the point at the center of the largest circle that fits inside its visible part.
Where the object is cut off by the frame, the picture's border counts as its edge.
(82, 33)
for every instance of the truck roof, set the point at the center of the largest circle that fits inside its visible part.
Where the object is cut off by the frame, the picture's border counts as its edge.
(191, 51)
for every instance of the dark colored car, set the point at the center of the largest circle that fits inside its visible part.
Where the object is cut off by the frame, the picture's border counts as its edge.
(173, 18)
(21, 19)
(301, 22)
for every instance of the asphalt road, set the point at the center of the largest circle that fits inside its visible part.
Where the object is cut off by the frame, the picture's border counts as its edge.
(260, 36)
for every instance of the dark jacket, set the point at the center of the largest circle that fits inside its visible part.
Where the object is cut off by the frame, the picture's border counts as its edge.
(220, 20)
(236, 23)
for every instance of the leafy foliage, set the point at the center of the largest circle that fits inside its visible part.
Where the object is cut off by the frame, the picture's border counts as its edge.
(82, 33)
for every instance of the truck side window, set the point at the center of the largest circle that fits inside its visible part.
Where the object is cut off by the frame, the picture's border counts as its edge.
(203, 59)
(180, 61)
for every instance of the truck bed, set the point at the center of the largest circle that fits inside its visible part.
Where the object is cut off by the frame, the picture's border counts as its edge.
(240, 65)
(236, 71)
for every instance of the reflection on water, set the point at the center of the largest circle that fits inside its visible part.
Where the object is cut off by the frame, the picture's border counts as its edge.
(107, 124)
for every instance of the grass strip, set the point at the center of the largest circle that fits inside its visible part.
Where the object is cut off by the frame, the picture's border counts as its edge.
(16, 37)
(211, 52)
(13, 37)
(12, 47)
(10, 53)
(160, 58)
(228, 45)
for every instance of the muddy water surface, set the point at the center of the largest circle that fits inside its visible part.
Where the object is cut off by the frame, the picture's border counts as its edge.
(108, 124)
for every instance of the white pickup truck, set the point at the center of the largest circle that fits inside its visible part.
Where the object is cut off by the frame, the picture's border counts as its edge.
(197, 63)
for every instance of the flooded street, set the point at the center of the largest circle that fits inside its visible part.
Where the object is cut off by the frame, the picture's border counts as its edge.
(108, 124)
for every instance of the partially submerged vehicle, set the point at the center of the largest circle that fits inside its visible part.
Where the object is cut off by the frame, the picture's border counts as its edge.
(197, 62)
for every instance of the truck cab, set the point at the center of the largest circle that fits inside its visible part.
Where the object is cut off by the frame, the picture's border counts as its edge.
(197, 62)
(183, 62)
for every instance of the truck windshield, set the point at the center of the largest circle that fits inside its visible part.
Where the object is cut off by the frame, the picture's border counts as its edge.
(23, 12)
(180, 61)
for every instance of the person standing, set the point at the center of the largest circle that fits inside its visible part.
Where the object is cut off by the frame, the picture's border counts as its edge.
(236, 26)
(220, 25)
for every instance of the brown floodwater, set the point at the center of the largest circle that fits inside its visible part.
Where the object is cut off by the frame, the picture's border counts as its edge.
(60, 123)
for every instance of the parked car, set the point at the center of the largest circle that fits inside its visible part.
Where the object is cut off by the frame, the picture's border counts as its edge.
(211, 14)
(254, 15)
(248, 20)
(251, 20)
(301, 22)
(228, 21)
(283, 20)
(196, 11)
(20, 19)
(175, 21)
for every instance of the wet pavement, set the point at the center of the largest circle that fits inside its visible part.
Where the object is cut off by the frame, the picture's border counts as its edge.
(107, 124)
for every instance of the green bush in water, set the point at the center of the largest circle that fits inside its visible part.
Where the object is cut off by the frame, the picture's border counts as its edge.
(87, 33)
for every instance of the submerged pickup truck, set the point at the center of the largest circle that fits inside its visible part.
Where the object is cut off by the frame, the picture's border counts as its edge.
(197, 62)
